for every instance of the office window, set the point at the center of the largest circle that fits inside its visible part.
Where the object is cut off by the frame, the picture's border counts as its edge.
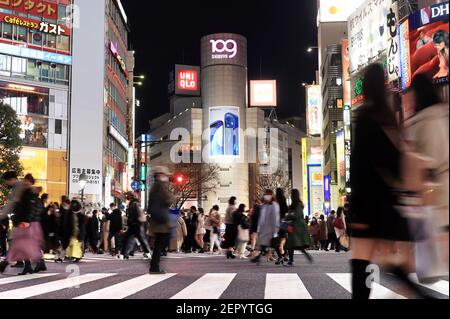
(19, 66)
(32, 70)
(58, 126)
(35, 37)
(50, 41)
(5, 65)
(7, 31)
(63, 43)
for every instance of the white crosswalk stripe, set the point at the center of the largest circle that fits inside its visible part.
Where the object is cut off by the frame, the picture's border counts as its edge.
(126, 288)
(441, 286)
(33, 291)
(16, 279)
(210, 286)
(378, 291)
(285, 286)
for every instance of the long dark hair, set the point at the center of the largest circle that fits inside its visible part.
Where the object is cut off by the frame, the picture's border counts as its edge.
(425, 92)
(296, 201)
(340, 211)
(375, 94)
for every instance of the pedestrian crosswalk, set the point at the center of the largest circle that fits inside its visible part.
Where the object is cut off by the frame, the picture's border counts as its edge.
(206, 286)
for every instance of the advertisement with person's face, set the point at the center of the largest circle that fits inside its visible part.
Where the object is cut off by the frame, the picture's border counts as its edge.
(224, 131)
(427, 45)
(34, 131)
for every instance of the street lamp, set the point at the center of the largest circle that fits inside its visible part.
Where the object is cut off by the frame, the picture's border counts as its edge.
(83, 181)
(140, 77)
(310, 49)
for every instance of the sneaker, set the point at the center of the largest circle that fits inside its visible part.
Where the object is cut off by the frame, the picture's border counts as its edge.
(147, 256)
(289, 264)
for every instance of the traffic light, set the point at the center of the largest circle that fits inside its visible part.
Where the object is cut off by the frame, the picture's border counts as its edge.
(180, 179)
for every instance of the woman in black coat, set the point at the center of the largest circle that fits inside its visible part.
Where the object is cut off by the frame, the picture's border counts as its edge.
(69, 228)
(375, 172)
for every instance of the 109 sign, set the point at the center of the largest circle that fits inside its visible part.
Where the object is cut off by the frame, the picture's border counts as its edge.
(222, 49)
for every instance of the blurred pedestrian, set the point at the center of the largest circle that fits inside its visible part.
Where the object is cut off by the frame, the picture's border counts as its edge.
(332, 239)
(214, 221)
(180, 235)
(65, 216)
(230, 228)
(75, 231)
(160, 200)
(243, 236)
(374, 222)
(323, 233)
(254, 217)
(340, 228)
(298, 235)
(27, 238)
(105, 229)
(191, 225)
(428, 133)
(314, 232)
(200, 230)
(4, 230)
(115, 230)
(268, 224)
(282, 234)
(135, 223)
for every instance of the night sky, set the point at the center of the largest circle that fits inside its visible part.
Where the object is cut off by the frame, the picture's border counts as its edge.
(168, 32)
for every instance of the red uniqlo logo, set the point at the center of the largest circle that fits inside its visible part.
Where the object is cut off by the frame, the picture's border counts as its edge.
(188, 80)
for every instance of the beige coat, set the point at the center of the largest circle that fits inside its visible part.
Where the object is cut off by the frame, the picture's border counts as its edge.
(429, 132)
(177, 242)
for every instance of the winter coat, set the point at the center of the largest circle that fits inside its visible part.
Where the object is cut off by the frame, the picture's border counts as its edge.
(181, 233)
(314, 230)
(13, 199)
(429, 132)
(268, 224)
(160, 200)
(200, 225)
(323, 230)
(134, 213)
(74, 225)
(115, 221)
(300, 237)
(341, 232)
(372, 201)
(330, 224)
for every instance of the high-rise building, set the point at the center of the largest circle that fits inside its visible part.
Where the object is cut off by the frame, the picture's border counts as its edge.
(35, 68)
(101, 131)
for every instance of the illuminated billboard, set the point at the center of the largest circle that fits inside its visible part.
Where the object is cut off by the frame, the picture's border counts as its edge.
(224, 131)
(314, 110)
(337, 10)
(263, 93)
(224, 48)
(185, 80)
(315, 190)
(424, 44)
(368, 33)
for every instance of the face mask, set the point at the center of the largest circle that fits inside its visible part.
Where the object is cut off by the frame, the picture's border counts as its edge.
(267, 198)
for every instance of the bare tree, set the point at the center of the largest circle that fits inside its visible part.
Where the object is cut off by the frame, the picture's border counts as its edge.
(272, 181)
(198, 181)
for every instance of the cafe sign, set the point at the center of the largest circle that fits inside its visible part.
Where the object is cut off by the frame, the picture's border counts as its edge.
(41, 26)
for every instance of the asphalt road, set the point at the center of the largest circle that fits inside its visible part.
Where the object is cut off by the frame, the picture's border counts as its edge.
(198, 277)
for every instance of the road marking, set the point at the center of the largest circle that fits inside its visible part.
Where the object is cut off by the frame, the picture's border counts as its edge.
(126, 288)
(442, 286)
(32, 291)
(16, 279)
(285, 286)
(210, 286)
(378, 291)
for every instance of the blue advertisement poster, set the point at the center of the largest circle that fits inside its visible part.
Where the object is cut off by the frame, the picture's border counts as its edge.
(224, 131)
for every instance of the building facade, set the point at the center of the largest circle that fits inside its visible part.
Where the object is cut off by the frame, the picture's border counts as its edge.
(102, 102)
(35, 68)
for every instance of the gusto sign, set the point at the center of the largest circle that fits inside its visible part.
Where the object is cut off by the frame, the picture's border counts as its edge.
(188, 80)
(223, 49)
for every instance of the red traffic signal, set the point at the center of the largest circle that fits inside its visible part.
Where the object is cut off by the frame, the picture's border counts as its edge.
(179, 179)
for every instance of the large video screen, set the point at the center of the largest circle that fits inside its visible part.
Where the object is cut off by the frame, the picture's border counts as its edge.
(224, 131)
(424, 44)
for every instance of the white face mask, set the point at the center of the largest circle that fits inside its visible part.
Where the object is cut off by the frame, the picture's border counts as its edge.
(163, 178)
(268, 198)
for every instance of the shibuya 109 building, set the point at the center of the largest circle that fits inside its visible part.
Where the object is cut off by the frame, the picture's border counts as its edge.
(211, 102)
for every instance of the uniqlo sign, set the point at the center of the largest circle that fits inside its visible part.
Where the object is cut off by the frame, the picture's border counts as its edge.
(187, 80)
